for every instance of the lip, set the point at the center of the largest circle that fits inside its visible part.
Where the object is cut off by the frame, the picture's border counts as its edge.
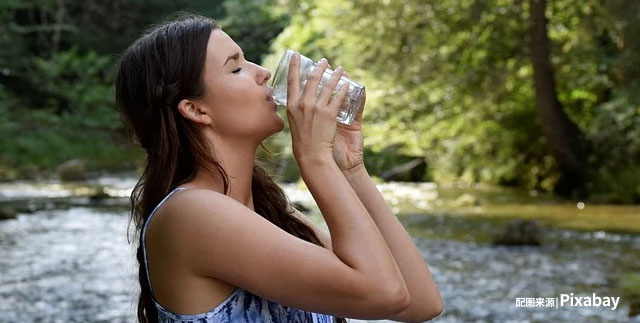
(269, 98)
(268, 92)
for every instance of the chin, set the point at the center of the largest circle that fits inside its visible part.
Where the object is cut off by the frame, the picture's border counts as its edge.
(276, 126)
(280, 122)
(282, 125)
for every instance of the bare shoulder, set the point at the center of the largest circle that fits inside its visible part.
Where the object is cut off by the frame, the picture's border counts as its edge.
(219, 237)
(179, 212)
(184, 203)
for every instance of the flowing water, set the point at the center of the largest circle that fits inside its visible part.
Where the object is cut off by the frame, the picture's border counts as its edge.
(65, 257)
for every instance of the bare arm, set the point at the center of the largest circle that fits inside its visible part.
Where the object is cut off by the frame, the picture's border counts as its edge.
(322, 234)
(355, 238)
(213, 235)
(426, 302)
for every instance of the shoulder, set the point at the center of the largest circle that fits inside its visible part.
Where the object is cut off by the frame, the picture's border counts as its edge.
(208, 234)
(193, 209)
(191, 203)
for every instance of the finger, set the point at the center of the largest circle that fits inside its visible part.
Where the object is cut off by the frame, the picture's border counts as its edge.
(310, 89)
(337, 101)
(360, 110)
(293, 79)
(327, 89)
(344, 73)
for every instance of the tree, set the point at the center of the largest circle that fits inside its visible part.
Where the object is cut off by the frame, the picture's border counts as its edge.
(565, 140)
(456, 81)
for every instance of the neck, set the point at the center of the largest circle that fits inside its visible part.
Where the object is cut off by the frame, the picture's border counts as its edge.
(237, 159)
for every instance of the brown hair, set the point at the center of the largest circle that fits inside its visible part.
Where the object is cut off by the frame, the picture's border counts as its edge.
(158, 70)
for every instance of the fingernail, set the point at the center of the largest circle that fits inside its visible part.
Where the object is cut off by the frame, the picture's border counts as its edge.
(323, 60)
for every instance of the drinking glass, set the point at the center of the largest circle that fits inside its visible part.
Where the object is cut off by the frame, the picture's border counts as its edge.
(347, 110)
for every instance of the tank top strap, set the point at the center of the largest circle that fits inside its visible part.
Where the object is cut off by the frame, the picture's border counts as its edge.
(144, 231)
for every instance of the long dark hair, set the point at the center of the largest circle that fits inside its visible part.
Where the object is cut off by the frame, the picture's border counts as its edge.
(156, 72)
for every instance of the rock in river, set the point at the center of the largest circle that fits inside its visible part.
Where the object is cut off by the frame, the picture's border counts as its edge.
(520, 232)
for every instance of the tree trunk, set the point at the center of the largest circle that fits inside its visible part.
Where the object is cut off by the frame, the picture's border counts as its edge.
(566, 141)
(57, 28)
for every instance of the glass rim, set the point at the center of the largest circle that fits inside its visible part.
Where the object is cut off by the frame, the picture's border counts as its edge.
(285, 58)
(359, 93)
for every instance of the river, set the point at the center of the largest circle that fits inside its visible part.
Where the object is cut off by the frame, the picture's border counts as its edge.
(65, 257)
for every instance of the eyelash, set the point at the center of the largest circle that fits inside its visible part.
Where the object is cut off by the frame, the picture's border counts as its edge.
(236, 70)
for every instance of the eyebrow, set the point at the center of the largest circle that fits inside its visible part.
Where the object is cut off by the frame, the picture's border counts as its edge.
(234, 56)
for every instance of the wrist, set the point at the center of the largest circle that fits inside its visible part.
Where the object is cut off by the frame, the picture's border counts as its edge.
(355, 171)
(315, 160)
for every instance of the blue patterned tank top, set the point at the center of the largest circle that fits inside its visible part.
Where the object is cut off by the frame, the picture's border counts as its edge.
(240, 306)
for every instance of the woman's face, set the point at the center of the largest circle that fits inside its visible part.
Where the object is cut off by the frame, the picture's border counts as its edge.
(236, 93)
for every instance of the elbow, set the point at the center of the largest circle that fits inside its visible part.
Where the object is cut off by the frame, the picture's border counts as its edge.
(435, 312)
(417, 313)
(432, 312)
(400, 299)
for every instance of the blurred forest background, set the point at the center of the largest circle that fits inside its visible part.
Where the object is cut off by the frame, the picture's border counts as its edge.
(457, 90)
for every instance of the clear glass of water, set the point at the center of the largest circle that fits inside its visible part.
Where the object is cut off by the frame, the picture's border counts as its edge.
(278, 84)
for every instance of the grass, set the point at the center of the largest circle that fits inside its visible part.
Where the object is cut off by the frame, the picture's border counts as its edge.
(610, 218)
(503, 204)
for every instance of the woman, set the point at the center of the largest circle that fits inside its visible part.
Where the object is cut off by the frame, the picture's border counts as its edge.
(224, 244)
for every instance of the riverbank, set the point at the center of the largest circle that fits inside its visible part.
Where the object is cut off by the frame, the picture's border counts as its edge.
(480, 202)
(501, 204)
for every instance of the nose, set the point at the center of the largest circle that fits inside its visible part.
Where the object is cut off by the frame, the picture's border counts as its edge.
(265, 75)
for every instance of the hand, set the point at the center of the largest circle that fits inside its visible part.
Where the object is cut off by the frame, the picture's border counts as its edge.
(348, 145)
(312, 119)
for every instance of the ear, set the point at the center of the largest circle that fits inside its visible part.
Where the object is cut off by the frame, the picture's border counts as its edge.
(194, 111)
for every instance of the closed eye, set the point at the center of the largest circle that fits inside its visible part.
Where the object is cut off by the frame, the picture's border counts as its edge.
(236, 70)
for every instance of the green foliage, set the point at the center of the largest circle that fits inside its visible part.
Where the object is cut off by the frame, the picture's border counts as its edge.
(448, 80)
(56, 74)
(79, 87)
(629, 285)
(615, 133)
(451, 87)
(252, 23)
(452, 80)
(78, 114)
(41, 140)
